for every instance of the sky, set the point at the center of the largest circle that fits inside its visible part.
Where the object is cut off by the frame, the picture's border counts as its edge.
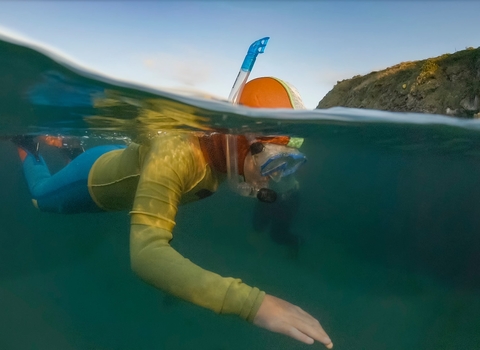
(200, 45)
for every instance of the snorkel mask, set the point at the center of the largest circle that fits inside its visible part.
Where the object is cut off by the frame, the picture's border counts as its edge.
(265, 164)
(276, 161)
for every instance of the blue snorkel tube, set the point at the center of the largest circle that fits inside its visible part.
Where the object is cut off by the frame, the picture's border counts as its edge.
(235, 182)
(256, 48)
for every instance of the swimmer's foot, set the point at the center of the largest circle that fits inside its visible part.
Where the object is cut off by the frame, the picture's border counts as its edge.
(69, 146)
(26, 144)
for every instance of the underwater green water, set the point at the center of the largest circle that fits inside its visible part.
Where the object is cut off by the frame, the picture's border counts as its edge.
(389, 215)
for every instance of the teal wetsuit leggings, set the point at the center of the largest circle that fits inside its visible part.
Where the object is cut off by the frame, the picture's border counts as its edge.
(66, 191)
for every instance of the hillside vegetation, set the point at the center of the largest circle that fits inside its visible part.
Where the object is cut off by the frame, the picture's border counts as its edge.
(448, 84)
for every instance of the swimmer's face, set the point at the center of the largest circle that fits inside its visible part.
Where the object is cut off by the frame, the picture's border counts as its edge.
(252, 173)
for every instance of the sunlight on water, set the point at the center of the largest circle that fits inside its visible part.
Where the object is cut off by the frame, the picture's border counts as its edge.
(388, 212)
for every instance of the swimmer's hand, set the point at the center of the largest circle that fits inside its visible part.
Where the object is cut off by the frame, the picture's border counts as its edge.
(280, 316)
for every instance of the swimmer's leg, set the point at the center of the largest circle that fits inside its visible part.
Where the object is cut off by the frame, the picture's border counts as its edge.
(66, 191)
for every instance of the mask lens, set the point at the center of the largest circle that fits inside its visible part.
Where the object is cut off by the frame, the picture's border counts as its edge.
(278, 165)
(282, 164)
(276, 176)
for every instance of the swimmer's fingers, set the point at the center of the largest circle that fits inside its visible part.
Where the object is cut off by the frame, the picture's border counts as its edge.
(308, 325)
(280, 316)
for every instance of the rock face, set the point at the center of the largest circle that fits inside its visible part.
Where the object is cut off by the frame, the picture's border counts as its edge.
(448, 84)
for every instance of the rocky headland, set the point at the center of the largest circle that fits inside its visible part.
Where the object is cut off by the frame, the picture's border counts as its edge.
(448, 84)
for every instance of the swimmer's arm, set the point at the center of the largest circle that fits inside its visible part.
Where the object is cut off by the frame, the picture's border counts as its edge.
(173, 166)
(157, 263)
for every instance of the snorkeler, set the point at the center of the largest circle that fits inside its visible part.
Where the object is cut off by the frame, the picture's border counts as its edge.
(151, 180)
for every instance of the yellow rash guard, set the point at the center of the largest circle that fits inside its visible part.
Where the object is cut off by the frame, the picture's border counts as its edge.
(153, 180)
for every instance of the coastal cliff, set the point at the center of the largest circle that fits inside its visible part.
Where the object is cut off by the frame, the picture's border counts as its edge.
(448, 84)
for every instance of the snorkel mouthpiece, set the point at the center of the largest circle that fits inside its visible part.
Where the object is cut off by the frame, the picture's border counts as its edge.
(266, 195)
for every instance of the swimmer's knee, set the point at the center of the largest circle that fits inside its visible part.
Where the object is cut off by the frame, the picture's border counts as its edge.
(35, 203)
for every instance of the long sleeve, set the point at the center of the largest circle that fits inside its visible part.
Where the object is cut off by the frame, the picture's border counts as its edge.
(171, 169)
